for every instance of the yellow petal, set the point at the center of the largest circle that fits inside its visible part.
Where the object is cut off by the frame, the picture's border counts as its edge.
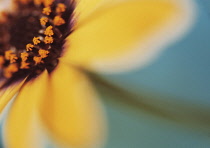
(8, 93)
(21, 125)
(128, 34)
(72, 112)
(85, 8)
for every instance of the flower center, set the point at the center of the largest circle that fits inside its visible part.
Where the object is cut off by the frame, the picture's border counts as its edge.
(32, 37)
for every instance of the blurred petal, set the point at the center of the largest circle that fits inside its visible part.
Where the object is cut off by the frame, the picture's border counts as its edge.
(129, 34)
(8, 93)
(20, 127)
(85, 7)
(72, 112)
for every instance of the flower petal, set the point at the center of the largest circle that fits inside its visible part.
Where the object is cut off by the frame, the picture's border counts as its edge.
(72, 112)
(128, 34)
(8, 93)
(85, 7)
(20, 129)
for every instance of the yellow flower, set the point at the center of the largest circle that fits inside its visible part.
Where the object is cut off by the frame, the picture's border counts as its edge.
(53, 95)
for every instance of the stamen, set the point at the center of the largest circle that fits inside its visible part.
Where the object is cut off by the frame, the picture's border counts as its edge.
(48, 40)
(24, 65)
(58, 21)
(13, 58)
(48, 3)
(60, 8)
(8, 71)
(47, 10)
(24, 56)
(43, 21)
(37, 60)
(43, 53)
(36, 40)
(29, 47)
(8, 54)
(49, 31)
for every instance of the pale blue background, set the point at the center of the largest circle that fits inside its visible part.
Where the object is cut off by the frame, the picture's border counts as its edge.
(181, 75)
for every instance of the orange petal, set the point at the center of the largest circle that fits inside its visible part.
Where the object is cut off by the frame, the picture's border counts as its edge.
(128, 34)
(72, 112)
(21, 125)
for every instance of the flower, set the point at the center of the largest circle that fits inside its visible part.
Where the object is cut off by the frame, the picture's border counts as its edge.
(47, 46)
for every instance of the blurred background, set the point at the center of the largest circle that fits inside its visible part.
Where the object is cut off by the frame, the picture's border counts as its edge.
(167, 103)
(173, 93)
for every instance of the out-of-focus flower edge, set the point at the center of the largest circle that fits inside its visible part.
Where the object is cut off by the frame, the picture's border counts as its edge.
(110, 36)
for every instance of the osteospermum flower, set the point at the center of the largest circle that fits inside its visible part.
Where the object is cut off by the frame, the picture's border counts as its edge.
(45, 45)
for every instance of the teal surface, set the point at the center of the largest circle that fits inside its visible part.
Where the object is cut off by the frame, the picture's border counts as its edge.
(177, 83)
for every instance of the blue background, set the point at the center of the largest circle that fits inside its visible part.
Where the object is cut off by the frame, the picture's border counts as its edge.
(177, 83)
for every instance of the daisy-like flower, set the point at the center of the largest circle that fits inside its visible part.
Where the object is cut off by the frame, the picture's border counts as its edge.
(45, 47)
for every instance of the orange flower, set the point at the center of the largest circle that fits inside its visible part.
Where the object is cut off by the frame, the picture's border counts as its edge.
(53, 95)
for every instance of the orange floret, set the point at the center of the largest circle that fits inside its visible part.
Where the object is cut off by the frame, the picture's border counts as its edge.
(8, 53)
(13, 58)
(36, 40)
(60, 8)
(24, 56)
(49, 31)
(43, 53)
(37, 60)
(58, 21)
(43, 21)
(24, 65)
(29, 47)
(47, 10)
(8, 72)
(48, 40)
(47, 3)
